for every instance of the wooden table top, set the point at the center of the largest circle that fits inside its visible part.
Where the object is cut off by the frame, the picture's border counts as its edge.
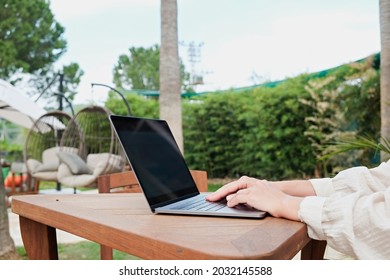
(125, 222)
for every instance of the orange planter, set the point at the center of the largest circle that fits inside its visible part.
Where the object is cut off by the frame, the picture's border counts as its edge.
(15, 180)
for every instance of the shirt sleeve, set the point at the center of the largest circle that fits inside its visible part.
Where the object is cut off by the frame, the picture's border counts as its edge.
(354, 179)
(352, 212)
(322, 187)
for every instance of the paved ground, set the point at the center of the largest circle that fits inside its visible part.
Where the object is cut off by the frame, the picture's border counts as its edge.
(62, 236)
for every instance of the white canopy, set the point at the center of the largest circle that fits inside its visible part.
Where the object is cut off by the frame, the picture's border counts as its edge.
(16, 107)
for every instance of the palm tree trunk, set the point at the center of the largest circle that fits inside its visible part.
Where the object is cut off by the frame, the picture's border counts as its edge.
(384, 8)
(7, 246)
(170, 98)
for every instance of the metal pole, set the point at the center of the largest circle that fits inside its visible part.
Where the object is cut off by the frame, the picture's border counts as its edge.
(61, 89)
(67, 101)
(60, 107)
(113, 89)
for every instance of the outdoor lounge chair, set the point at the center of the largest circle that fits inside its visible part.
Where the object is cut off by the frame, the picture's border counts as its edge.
(100, 152)
(41, 147)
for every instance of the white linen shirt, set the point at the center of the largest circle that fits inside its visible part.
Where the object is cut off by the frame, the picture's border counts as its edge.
(352, 212)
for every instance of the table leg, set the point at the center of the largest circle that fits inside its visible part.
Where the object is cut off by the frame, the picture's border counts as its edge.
(106, 253)
(314, 250)
(40, 241)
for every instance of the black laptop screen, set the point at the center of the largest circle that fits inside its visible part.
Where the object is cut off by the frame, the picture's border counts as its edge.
(155, 159)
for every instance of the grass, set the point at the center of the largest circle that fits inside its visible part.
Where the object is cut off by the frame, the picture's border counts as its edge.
(83, 250)
(44, 185)
(214, 187)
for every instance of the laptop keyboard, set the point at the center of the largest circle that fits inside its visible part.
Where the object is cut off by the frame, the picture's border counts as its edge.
(199, 203)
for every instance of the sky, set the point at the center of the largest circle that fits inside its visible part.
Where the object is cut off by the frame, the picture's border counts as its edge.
(240, 42)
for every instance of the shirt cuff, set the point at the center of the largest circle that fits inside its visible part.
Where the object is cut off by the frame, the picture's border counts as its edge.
(310, 212)
(323, 186)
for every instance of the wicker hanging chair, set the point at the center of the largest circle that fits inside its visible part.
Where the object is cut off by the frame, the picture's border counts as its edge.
(89, 148)
(41, 147)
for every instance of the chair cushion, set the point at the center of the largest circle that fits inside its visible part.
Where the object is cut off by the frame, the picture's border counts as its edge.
(75, 163)
(32, 164)
(67, 178)
(50, 154)
(105, 163)
(47, 166)
(46, 176)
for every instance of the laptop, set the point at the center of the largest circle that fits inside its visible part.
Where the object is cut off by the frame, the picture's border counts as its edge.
(162, 172)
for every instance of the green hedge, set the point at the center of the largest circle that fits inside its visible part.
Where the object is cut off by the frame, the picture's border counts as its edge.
(258, 133)
(212, 131)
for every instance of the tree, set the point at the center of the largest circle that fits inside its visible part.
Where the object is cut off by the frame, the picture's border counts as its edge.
(170, 98)
(140, 69)
(7, 245)
(343, 105)
(30, 38)
(384, 10)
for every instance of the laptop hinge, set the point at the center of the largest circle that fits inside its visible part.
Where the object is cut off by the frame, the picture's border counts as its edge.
(161, 204)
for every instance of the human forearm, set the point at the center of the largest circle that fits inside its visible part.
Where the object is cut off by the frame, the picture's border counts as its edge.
(300, 188)
(289, 208)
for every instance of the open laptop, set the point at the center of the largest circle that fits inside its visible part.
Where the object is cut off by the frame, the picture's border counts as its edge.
(162, 172)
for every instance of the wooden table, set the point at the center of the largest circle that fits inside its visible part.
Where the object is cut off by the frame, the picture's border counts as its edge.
(125, 222)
